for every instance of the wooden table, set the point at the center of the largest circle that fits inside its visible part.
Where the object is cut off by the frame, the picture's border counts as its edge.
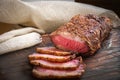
(104, 65)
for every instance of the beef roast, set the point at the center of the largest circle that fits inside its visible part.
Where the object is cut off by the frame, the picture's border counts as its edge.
(82, 34)
(52, 51)
(72, 64)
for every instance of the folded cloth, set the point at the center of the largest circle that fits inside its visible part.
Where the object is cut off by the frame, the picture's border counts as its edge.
(48, 15)
(19, 39)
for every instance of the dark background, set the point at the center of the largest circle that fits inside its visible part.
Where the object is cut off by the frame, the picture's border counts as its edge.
(108, 4)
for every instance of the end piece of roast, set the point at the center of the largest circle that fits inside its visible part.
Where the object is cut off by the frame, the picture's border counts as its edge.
(82, 34)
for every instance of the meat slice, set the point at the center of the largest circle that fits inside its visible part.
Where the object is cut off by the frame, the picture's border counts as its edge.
(82, 34)
(52, 51)
(72, 64)
(52, 58)
(41, 72)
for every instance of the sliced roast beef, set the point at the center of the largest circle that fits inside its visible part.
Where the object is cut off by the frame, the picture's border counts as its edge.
(52, 58)
(52, 51)
(72, 64)
(82, 34)
(41, 72)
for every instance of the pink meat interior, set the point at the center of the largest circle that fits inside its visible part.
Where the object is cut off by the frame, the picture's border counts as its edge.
(70, 44)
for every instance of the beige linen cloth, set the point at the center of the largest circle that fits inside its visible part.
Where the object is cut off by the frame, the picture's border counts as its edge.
(46, 16)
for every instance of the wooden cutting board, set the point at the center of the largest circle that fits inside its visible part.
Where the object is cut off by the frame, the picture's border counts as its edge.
(104, 65)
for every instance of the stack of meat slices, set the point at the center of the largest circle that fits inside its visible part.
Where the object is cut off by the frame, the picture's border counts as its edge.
(53, 63)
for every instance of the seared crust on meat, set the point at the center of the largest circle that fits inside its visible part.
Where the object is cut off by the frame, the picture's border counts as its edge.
(93, 29)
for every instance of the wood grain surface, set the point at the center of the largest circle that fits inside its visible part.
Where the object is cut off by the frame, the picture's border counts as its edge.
(104, 65)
